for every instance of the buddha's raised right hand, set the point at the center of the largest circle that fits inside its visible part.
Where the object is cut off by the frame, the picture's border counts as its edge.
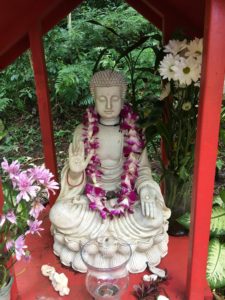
(77, 161)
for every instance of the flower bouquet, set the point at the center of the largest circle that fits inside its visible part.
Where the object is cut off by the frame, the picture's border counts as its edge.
(180, 70)
(25, 192)
(179, 66)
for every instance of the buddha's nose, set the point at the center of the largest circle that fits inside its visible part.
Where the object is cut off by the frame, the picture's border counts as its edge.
(108, 103)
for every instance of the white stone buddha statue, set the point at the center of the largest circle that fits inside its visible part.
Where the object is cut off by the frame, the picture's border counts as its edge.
(107, 189)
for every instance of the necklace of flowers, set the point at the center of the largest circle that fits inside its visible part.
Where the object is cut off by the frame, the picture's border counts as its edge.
(133, 145)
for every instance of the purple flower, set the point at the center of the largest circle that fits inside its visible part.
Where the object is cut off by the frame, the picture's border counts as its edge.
(34, 227)
(9, 244)
(19, 247)
(44, 177)
(26, 188)
(94, 190)
(103, 214)
(37, 207)
(11, 217)
(12, 169)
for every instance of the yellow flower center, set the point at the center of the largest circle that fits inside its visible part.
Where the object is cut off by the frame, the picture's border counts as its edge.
(186, 70)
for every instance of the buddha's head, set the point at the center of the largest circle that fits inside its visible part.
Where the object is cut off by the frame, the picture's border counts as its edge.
(108, 88)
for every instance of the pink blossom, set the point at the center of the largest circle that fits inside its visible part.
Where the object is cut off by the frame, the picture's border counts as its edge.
(12, 169)
(37, 207)
(34, 227)
(11, 217)
(44, 177)
(19, 247)
(9, 244)
(26, 188)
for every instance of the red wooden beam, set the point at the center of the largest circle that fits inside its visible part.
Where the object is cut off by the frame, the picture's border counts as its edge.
(50, 19)
(206, 145)
(147, 11)
(40, 75)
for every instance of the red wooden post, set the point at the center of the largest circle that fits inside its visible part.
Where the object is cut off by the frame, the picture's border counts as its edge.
(206, 145)
(40, 75)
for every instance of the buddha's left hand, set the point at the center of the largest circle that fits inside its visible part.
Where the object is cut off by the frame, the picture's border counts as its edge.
(148, 202)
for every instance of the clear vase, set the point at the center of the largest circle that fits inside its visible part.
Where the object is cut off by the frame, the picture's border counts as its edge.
(106, 259)
(178, 198)
(5, 291)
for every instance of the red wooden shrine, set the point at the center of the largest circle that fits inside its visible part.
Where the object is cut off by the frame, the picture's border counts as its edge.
(22, 24)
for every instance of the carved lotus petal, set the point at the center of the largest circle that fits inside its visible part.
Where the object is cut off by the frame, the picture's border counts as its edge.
(59, 237)
(144, 246)
(137, 262)
(66, 256)
(78, 263)
(72, 245)
(123, 249)
(159, 238)
(57, 248)
(153, 256)
(92, 249)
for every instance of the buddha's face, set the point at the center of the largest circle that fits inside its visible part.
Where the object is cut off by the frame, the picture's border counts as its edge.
(108, 101)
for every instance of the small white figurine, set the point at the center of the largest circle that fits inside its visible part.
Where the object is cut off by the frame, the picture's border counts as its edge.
(59, 281)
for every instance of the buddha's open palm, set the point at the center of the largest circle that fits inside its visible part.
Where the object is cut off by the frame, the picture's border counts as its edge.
(148, 202)
(77, 161)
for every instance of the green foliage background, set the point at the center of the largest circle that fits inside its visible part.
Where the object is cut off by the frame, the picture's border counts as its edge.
(97, 35)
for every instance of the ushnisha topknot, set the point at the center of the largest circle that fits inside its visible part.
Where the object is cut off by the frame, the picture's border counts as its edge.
(108, 78)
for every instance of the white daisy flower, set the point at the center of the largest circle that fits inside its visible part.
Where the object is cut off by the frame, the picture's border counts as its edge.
(175, 46)
(165, 67)
(195, 48)
(186, 70)
(186, 106)
(165, 92)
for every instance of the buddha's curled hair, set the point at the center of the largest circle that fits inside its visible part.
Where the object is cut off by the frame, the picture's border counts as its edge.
(108, 78)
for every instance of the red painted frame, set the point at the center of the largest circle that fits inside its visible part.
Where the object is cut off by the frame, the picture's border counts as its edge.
(208, 123)
(44, 107)
(212, 80)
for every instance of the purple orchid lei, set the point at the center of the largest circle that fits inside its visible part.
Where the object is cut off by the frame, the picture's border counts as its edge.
(133, 146)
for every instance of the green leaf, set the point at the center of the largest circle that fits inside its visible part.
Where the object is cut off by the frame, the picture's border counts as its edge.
(129, 49)
(222, 195)
(219, 163)
(222, 135)
(217, 200)
(184, 220)
(217, 225)
(215, 272)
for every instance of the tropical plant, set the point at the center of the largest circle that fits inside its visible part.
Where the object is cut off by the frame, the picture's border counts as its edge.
(215, 272)
(24, 192)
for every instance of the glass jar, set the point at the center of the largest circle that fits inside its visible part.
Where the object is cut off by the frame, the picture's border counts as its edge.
(106, 259)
